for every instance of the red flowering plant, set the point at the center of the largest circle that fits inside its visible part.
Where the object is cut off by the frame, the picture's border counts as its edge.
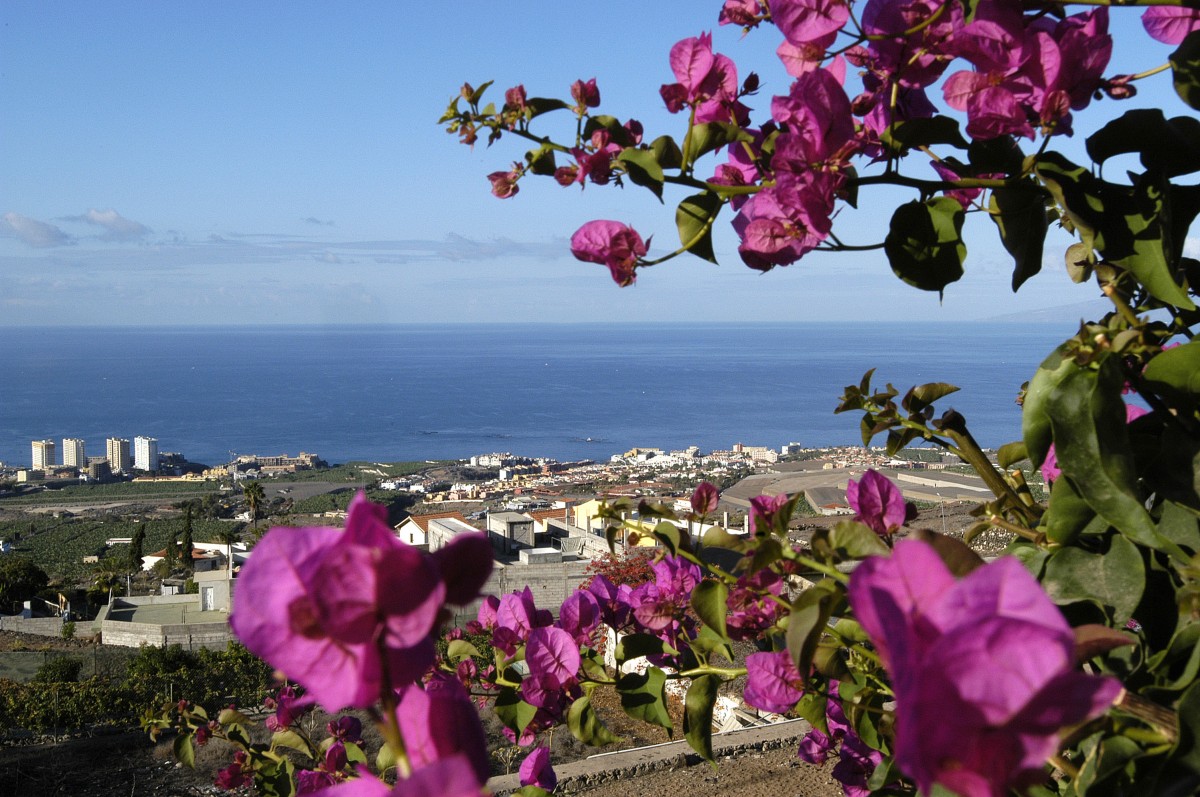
(929, 669)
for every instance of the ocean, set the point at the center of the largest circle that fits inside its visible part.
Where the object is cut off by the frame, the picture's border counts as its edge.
(415, 392)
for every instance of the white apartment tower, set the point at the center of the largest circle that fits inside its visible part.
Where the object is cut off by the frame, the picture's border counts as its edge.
(73, 455)
(118, 454)
(145, 453)
(43, 454)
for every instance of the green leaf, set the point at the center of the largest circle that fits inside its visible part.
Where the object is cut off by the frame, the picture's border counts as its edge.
(668, 535)
(1068, 513)
(355, 754)
(586, 726)
(276, 778)
(643, 697)
(694, 219)
(707, 643)
(385, 760)
(1186, 754)
(536, 106)
(959, 558)
(1166, 145)
(924, 243)
(698, 713)
(922, 396)
(514, 712)
(1180, 526)
(924, 133)
(718, 537)
(185, 750)
(1114, 580)
(711, 136)
(1020, 215)
(231, 716)
(809, 619)
(1091, 442)
(666, 152)
(459, 649)
(291, 740)
(1185, 70)
(1035, 415)
(541, 161)
(813, 708)
(708, 601)
(849, 539)
(1010, 454)
(643, 169)
(634, 646)
(477, 94)
(1175, 374)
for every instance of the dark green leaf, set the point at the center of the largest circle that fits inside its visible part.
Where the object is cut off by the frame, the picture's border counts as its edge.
(999, 155)
(514, 712)
(707, 644)
(541, 161)
(477, 94)
(698, 713)
(1114, 580)
(712, 136)
(1172, 147)
(634, 646)
(1010, 454)
(1035, 415)
(850, 539)
(924, 243)
(643, 169)
(958, 557)
(708, 601)
(586, 726)
(276, 779)
(694, 219)
(1020, 215)
(808, 621)
(643, 697)
(536, 106)
(666, 152)
(923, 396)
(1185, 70)
(924, 133)
(668, 535)
(185, 750)
(1068, 513)
(1175, 373)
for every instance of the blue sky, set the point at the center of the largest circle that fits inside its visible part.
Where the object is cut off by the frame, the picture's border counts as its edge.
(221, 162)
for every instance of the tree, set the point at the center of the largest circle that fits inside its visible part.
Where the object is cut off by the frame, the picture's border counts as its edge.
(137, 548)
(172, 557)
(20, 580)
(188, 544)
(255, 496)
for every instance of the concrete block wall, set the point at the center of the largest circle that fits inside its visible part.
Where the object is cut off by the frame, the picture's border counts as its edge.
(549, 583)
(188, 636)
(42, 626)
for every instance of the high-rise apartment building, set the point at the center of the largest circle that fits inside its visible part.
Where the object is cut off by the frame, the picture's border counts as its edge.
(118, 454)
(43, 454)
(73, 455)
(145, 453)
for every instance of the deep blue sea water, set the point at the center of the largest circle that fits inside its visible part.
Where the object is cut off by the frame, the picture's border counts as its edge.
(388, 393)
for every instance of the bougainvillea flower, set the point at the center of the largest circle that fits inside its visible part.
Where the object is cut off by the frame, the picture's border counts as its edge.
(765, 513)
(440, 722)
(536, 770)
(772, 682)
(612, 244)
(337, 610)
(1169, 24)
(580, 615)
(803, 21)
(586, 95)
(235, 776)
(751, 609)
(878, 503)
(449, 777)
(705, 498)
(740, 12)
(983, 669)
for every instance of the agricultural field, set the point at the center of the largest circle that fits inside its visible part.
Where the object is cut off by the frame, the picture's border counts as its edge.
(115, 491)
(59, 545)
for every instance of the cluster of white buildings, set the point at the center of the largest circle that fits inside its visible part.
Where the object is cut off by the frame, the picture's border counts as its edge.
(119, 455)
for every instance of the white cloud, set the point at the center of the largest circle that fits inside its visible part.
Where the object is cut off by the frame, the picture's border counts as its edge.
(33, 232)
(116, 226)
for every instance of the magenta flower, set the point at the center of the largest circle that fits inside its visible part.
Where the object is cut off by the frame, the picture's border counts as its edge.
(772, 682)
(766, 514)
(1169, 24)
(751, 609)
(612, 244)
(740, 12)
(878, 503)
(803, 21)
(580, 616)
(982, 669)
(586, 95)
(504, 184)
(705, 498)
(536, 770)
(440, 722)
(341, 612)
(449, 777)
(235, 776)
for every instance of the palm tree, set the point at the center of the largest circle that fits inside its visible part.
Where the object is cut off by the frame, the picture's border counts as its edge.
(253, 492)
